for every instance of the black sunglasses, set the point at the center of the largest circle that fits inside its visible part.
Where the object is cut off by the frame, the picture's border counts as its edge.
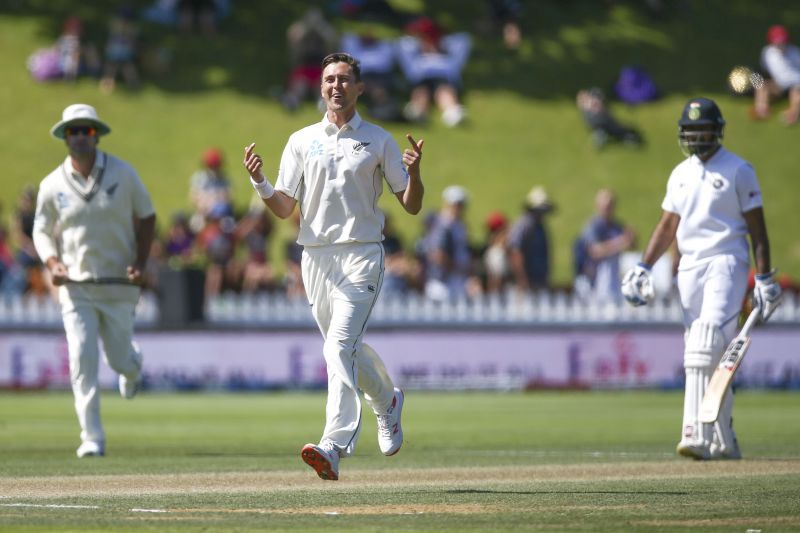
(90, 131)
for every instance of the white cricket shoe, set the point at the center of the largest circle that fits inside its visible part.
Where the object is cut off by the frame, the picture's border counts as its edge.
(732, 452)
(390, 432)
(693, 449)
(323, 458)
(90, 449)
(128, 388)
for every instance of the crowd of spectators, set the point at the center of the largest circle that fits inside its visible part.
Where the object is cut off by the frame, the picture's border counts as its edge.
(233, 248)
(405, 77)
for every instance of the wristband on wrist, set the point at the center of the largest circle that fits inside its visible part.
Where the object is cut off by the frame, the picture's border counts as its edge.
(645, 266)
(766, 275)
(264, 188)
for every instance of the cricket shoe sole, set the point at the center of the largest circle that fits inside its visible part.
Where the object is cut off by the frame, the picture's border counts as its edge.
(324, 464)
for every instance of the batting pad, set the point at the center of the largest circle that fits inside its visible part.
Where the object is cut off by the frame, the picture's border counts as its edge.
(705, 343)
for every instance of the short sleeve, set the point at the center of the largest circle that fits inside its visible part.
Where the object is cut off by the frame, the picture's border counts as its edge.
(290, 173)
(669, 202)
(142, 203)
(393, 168)
(747, 188)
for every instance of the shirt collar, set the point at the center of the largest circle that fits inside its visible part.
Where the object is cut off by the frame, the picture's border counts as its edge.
(99, 165)
(330, 128)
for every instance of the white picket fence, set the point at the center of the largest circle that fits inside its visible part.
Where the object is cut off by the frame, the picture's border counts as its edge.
(547, 308)
(413, 311)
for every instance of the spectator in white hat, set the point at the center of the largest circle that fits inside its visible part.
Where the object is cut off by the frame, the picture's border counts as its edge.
(448, 253)
(93, 229)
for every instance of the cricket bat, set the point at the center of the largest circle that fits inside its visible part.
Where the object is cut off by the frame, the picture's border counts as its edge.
(723, 375)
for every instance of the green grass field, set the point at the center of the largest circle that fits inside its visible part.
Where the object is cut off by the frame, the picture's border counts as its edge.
(547, 461)
(524, 128)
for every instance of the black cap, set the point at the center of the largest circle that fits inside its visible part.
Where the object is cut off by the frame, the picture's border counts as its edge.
(701, 111)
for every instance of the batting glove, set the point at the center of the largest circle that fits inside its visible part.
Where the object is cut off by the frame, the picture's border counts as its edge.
(637, 285)
(767, 294)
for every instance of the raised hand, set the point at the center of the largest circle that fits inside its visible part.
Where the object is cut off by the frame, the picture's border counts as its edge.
(253, 163)
(412, 156)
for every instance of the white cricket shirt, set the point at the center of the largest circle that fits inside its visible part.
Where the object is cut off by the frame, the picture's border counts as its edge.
(337, 177)
(88, 224)
(711, 199)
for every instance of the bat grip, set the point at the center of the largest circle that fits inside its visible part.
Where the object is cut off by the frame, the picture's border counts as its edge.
(752, 318)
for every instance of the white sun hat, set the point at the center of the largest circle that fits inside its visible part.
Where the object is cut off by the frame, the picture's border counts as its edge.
(79, 114)
(455, 194)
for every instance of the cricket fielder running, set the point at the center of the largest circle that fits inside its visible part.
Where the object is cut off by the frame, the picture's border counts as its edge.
(335, 170)
(713, 202)
(93, 229)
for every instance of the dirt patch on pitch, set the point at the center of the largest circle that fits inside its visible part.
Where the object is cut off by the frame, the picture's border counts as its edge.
(455, 478)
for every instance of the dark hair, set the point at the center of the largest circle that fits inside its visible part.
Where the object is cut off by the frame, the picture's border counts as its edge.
(342, 57)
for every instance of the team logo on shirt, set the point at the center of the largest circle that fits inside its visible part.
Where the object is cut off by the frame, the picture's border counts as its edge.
(316, 149)
(718, 183)
(62, 200)
(359, 146)
(110, 190)
(371, 288)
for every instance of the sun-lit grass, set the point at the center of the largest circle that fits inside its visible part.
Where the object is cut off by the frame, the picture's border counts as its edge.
(599, 461)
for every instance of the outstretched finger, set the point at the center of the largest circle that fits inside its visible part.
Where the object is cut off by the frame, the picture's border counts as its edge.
(416, 146)
(249, 149)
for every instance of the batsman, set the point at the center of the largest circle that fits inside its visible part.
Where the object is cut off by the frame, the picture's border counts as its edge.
(712, 203)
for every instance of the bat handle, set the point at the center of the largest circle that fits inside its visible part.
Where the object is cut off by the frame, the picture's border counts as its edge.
(755, 314)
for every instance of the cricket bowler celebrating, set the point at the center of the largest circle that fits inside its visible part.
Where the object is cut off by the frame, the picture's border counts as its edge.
(335, 170)
(713, 202)
(93, 229)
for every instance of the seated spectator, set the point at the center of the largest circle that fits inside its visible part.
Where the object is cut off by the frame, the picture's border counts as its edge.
(604, 127)
(529, 243)
(781, 63)
(432, 63)
(308, 40)
(253, 231)
(496, 261)
(377, 58)
(70, 57)
(449, 257)
(122, 51)
(209, 187)
(604, 238)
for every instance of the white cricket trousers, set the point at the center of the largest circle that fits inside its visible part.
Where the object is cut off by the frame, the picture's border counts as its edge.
(342, 282)
(711, 295)
(92, 312)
